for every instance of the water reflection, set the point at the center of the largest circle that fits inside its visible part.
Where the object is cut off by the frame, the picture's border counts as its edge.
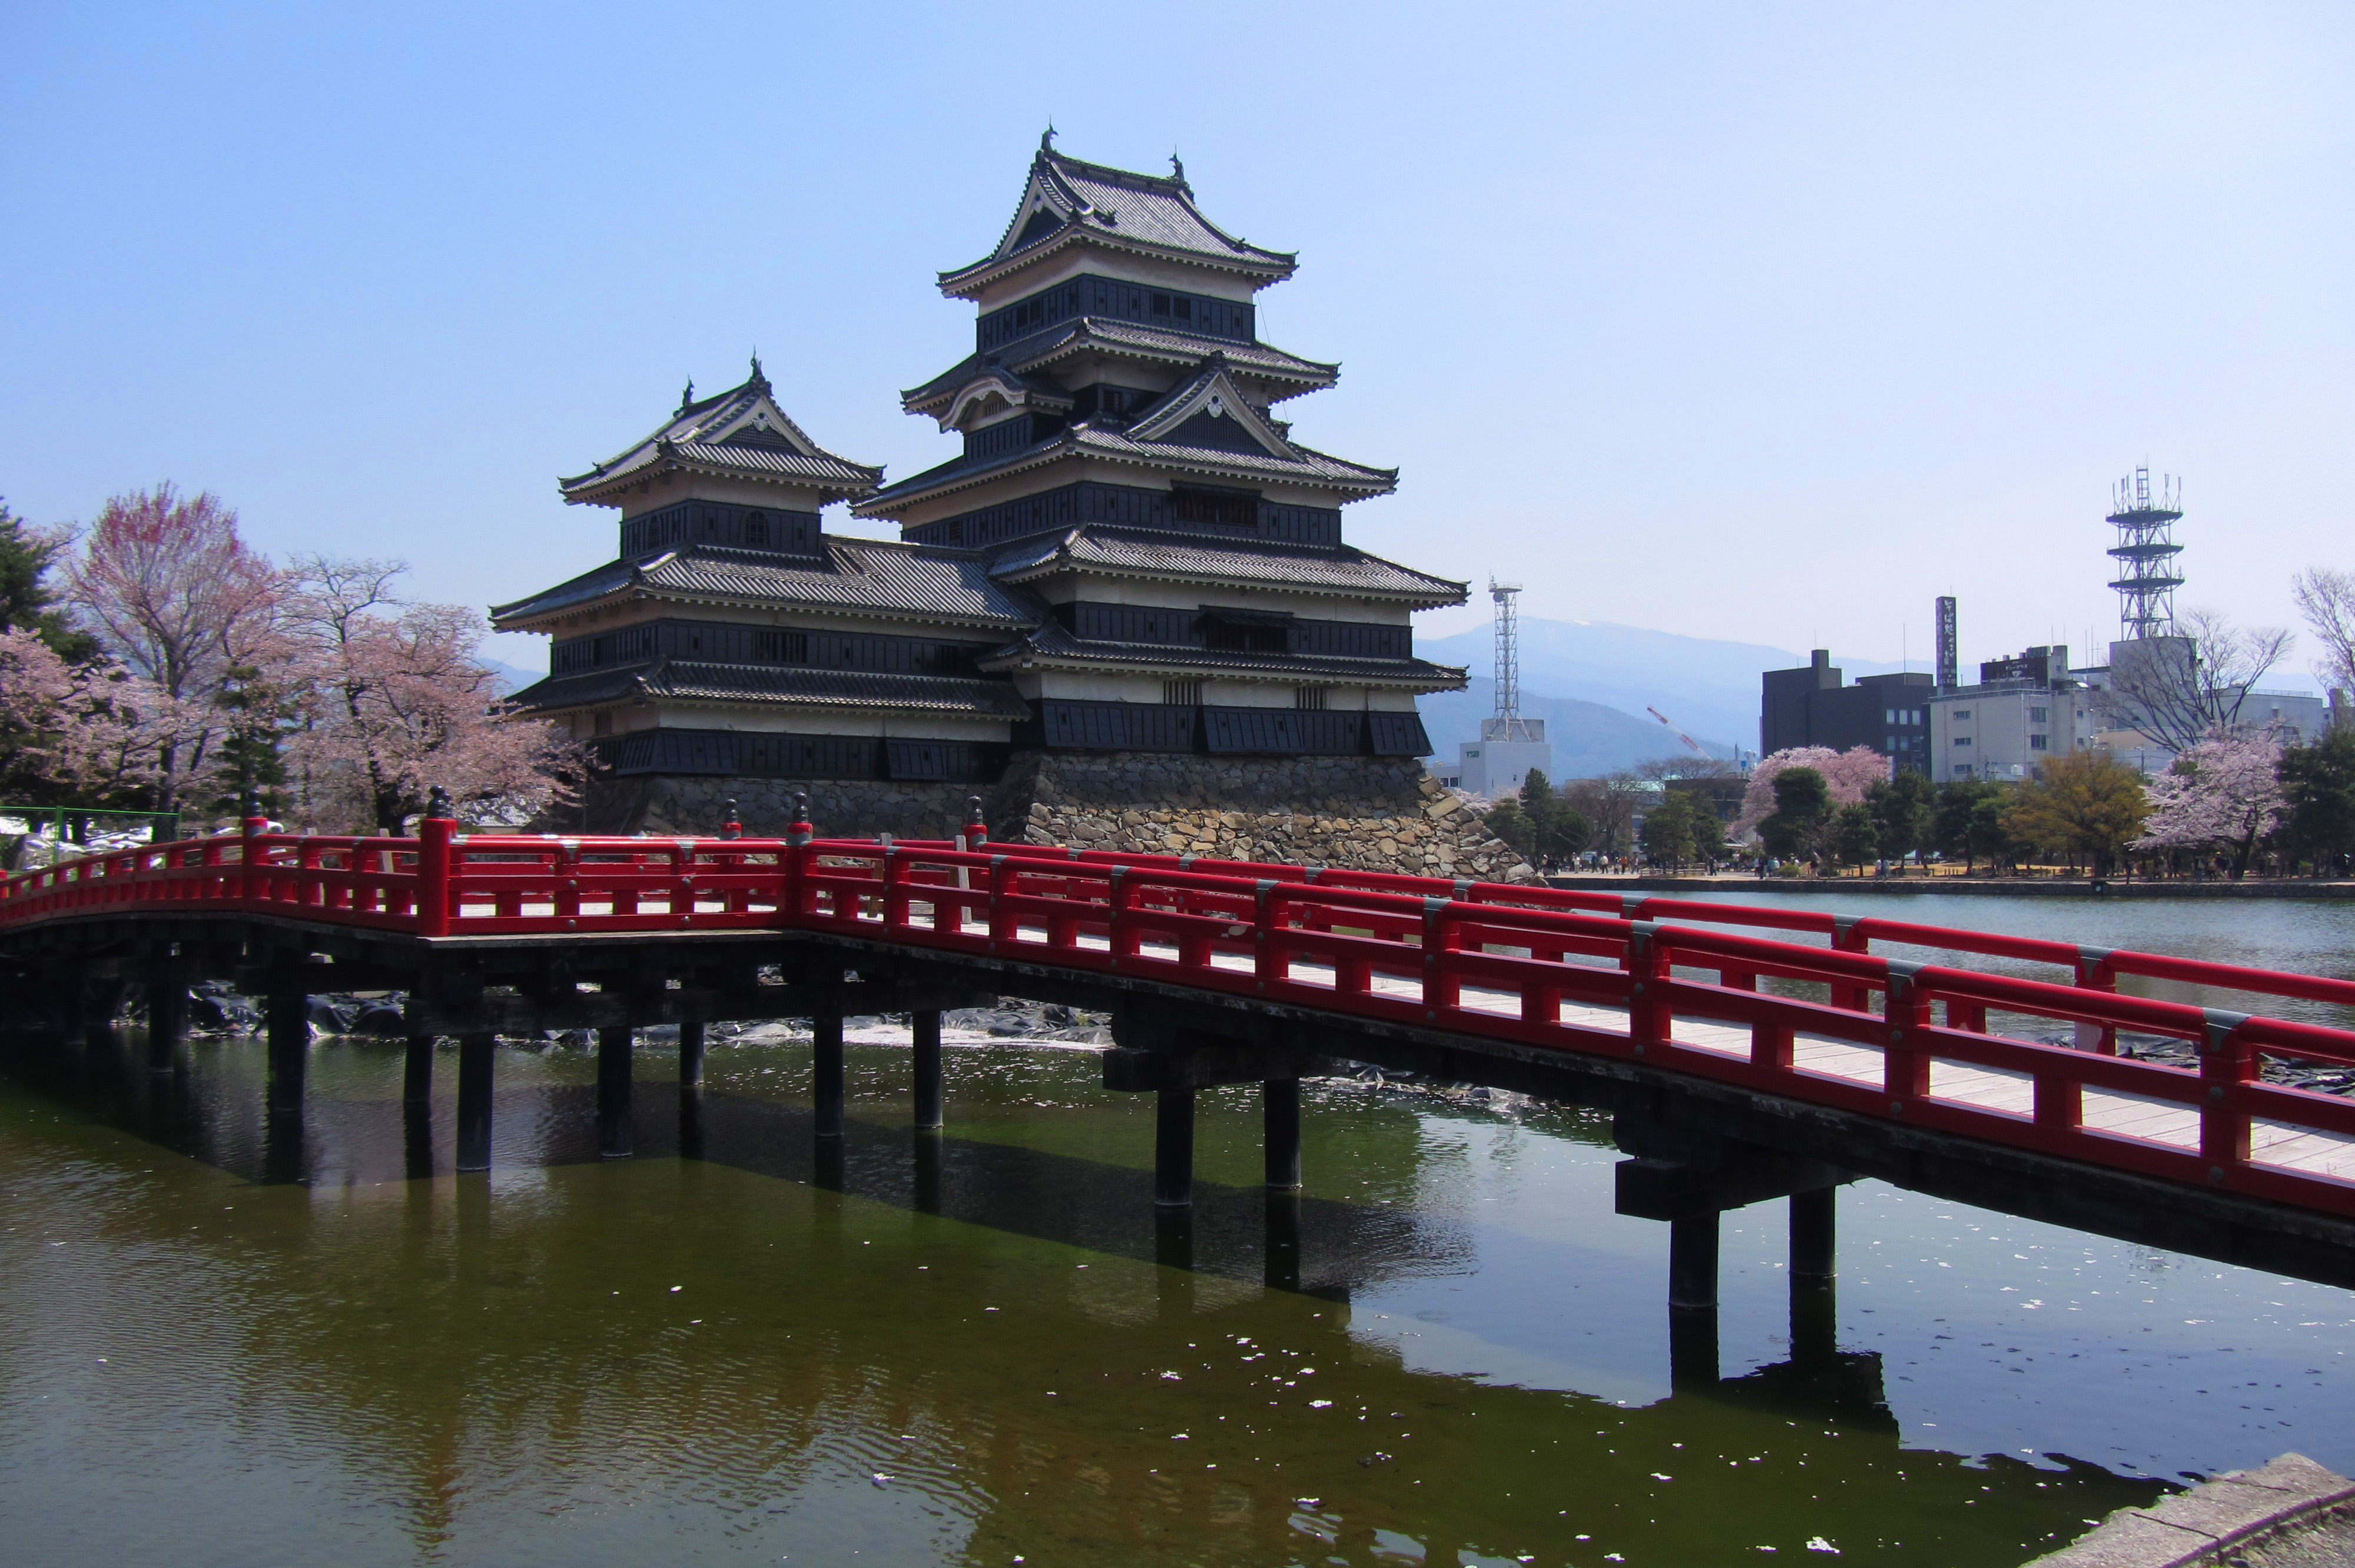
(954, 1347)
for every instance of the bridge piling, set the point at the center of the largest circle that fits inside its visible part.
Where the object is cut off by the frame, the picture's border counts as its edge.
(924, 1028)
(167, 989)
(1280, 1119)
(1173, 1147)
(1692, 1262)
(690, 1054)
(825, 1041)
(614, 1135)
(1813, 1234)
(475, 1101)
(1282, 1266)
(288, 1011)
(417, 1065)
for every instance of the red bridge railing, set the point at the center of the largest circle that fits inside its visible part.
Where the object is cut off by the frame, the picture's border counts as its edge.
(1675, 984)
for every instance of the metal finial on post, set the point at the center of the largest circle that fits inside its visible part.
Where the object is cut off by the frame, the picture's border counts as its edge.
(799, 831)
(977, 831)
(730, 827)
(437, 804)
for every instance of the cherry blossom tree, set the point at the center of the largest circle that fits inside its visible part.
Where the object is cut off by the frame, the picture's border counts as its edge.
(1847, 773)
(176, 599)
(399, 700)
(2223, 793)
(94, 729)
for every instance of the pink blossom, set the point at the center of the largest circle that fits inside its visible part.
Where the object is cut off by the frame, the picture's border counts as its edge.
(1847, 773)
(2224, 792)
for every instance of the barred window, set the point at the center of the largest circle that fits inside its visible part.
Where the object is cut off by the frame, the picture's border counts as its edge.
(756, 528)
(1182, 694)
(1310, 699)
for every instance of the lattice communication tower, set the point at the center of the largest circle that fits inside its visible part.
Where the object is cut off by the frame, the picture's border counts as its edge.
(1507, 724)
(2146, 552)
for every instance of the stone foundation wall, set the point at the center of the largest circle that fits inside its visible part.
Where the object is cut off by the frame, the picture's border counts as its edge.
(1364, 813)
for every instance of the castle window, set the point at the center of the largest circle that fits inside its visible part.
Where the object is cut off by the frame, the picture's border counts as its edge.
(756, 528)
(603, 724)
(1309, 699)
(1218, 508)
(956, 530)
(780, 647)
(1182, 694)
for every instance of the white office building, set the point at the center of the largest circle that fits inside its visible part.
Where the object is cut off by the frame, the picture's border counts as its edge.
(1494, 766)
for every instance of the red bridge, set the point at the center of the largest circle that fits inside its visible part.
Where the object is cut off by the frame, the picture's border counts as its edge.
(1748, 1052)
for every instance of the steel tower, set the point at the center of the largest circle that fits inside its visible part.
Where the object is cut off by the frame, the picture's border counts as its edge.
(1507, 724)
(2146, 552)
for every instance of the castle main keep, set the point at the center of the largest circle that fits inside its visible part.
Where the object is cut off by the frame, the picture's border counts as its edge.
(1123, 614)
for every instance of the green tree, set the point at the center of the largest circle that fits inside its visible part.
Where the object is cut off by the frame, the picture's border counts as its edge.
(1509, 823)
(1803, 807)
(1852, 835)
(1904, 813)
(2318, 784)
(1708, 833)
(1956, 827)
(2087, 803)
(1668, 829)
(26, 603)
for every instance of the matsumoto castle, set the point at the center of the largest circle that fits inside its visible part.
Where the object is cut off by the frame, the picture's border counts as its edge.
(1127, 595)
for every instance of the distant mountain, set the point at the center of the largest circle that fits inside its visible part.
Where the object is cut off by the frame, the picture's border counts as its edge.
(512, 679)
(1709, 687)
(1588, 739)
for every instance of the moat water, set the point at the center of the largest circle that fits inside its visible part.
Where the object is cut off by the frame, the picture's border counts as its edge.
(226, 1342)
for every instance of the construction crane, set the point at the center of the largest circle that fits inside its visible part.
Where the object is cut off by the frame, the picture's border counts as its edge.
(1680, 735)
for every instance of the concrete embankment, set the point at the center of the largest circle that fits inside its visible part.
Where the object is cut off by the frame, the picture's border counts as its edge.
(2291, 1513)
(1736, 887)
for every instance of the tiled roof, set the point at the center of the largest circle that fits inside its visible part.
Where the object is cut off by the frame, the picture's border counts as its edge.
(910, 581)
(741, 432)
(1054, 647)
(1106, 335)
(764, 685)
(1138, 553)
(1090, 439)
(1120, 207)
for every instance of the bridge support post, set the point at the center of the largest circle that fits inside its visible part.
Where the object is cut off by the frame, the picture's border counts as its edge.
(417, 1071)
(289, 1026)
(417, 1138)
(1173, 1147)
(1692, 1262)
(614, 1140)
(1280, 1123)
(1813, 1234)
(925, 1031)
(928, 1171)
(1282, 1239)
(167, 1005)
(474, 1102)
(825, 1041)
(690, 1054)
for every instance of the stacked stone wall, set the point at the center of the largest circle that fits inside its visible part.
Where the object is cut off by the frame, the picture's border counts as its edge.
(1364, 813)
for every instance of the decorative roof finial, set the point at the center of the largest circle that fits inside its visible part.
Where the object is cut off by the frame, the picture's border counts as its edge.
(756, 368)
(1176, 167)
(1047, 142)
(684, 399)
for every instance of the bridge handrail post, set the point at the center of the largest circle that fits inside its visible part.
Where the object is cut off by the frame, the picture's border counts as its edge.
(2227, 1061)
(2095, 973)
(1650, 1021)
(798, 858)
(433, 835)
(1904, 1067)
(1271, 960)
(249, 878)
(1848, 935)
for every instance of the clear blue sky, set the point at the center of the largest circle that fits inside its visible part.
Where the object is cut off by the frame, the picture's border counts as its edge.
(1759, 322)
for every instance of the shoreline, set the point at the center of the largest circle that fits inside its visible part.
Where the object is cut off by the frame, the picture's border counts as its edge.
(1735, 888)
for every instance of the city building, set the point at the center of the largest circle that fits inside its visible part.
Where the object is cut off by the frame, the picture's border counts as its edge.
(1509, 744)
(1809, 705)
(1129, 565)
(2026, 709)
